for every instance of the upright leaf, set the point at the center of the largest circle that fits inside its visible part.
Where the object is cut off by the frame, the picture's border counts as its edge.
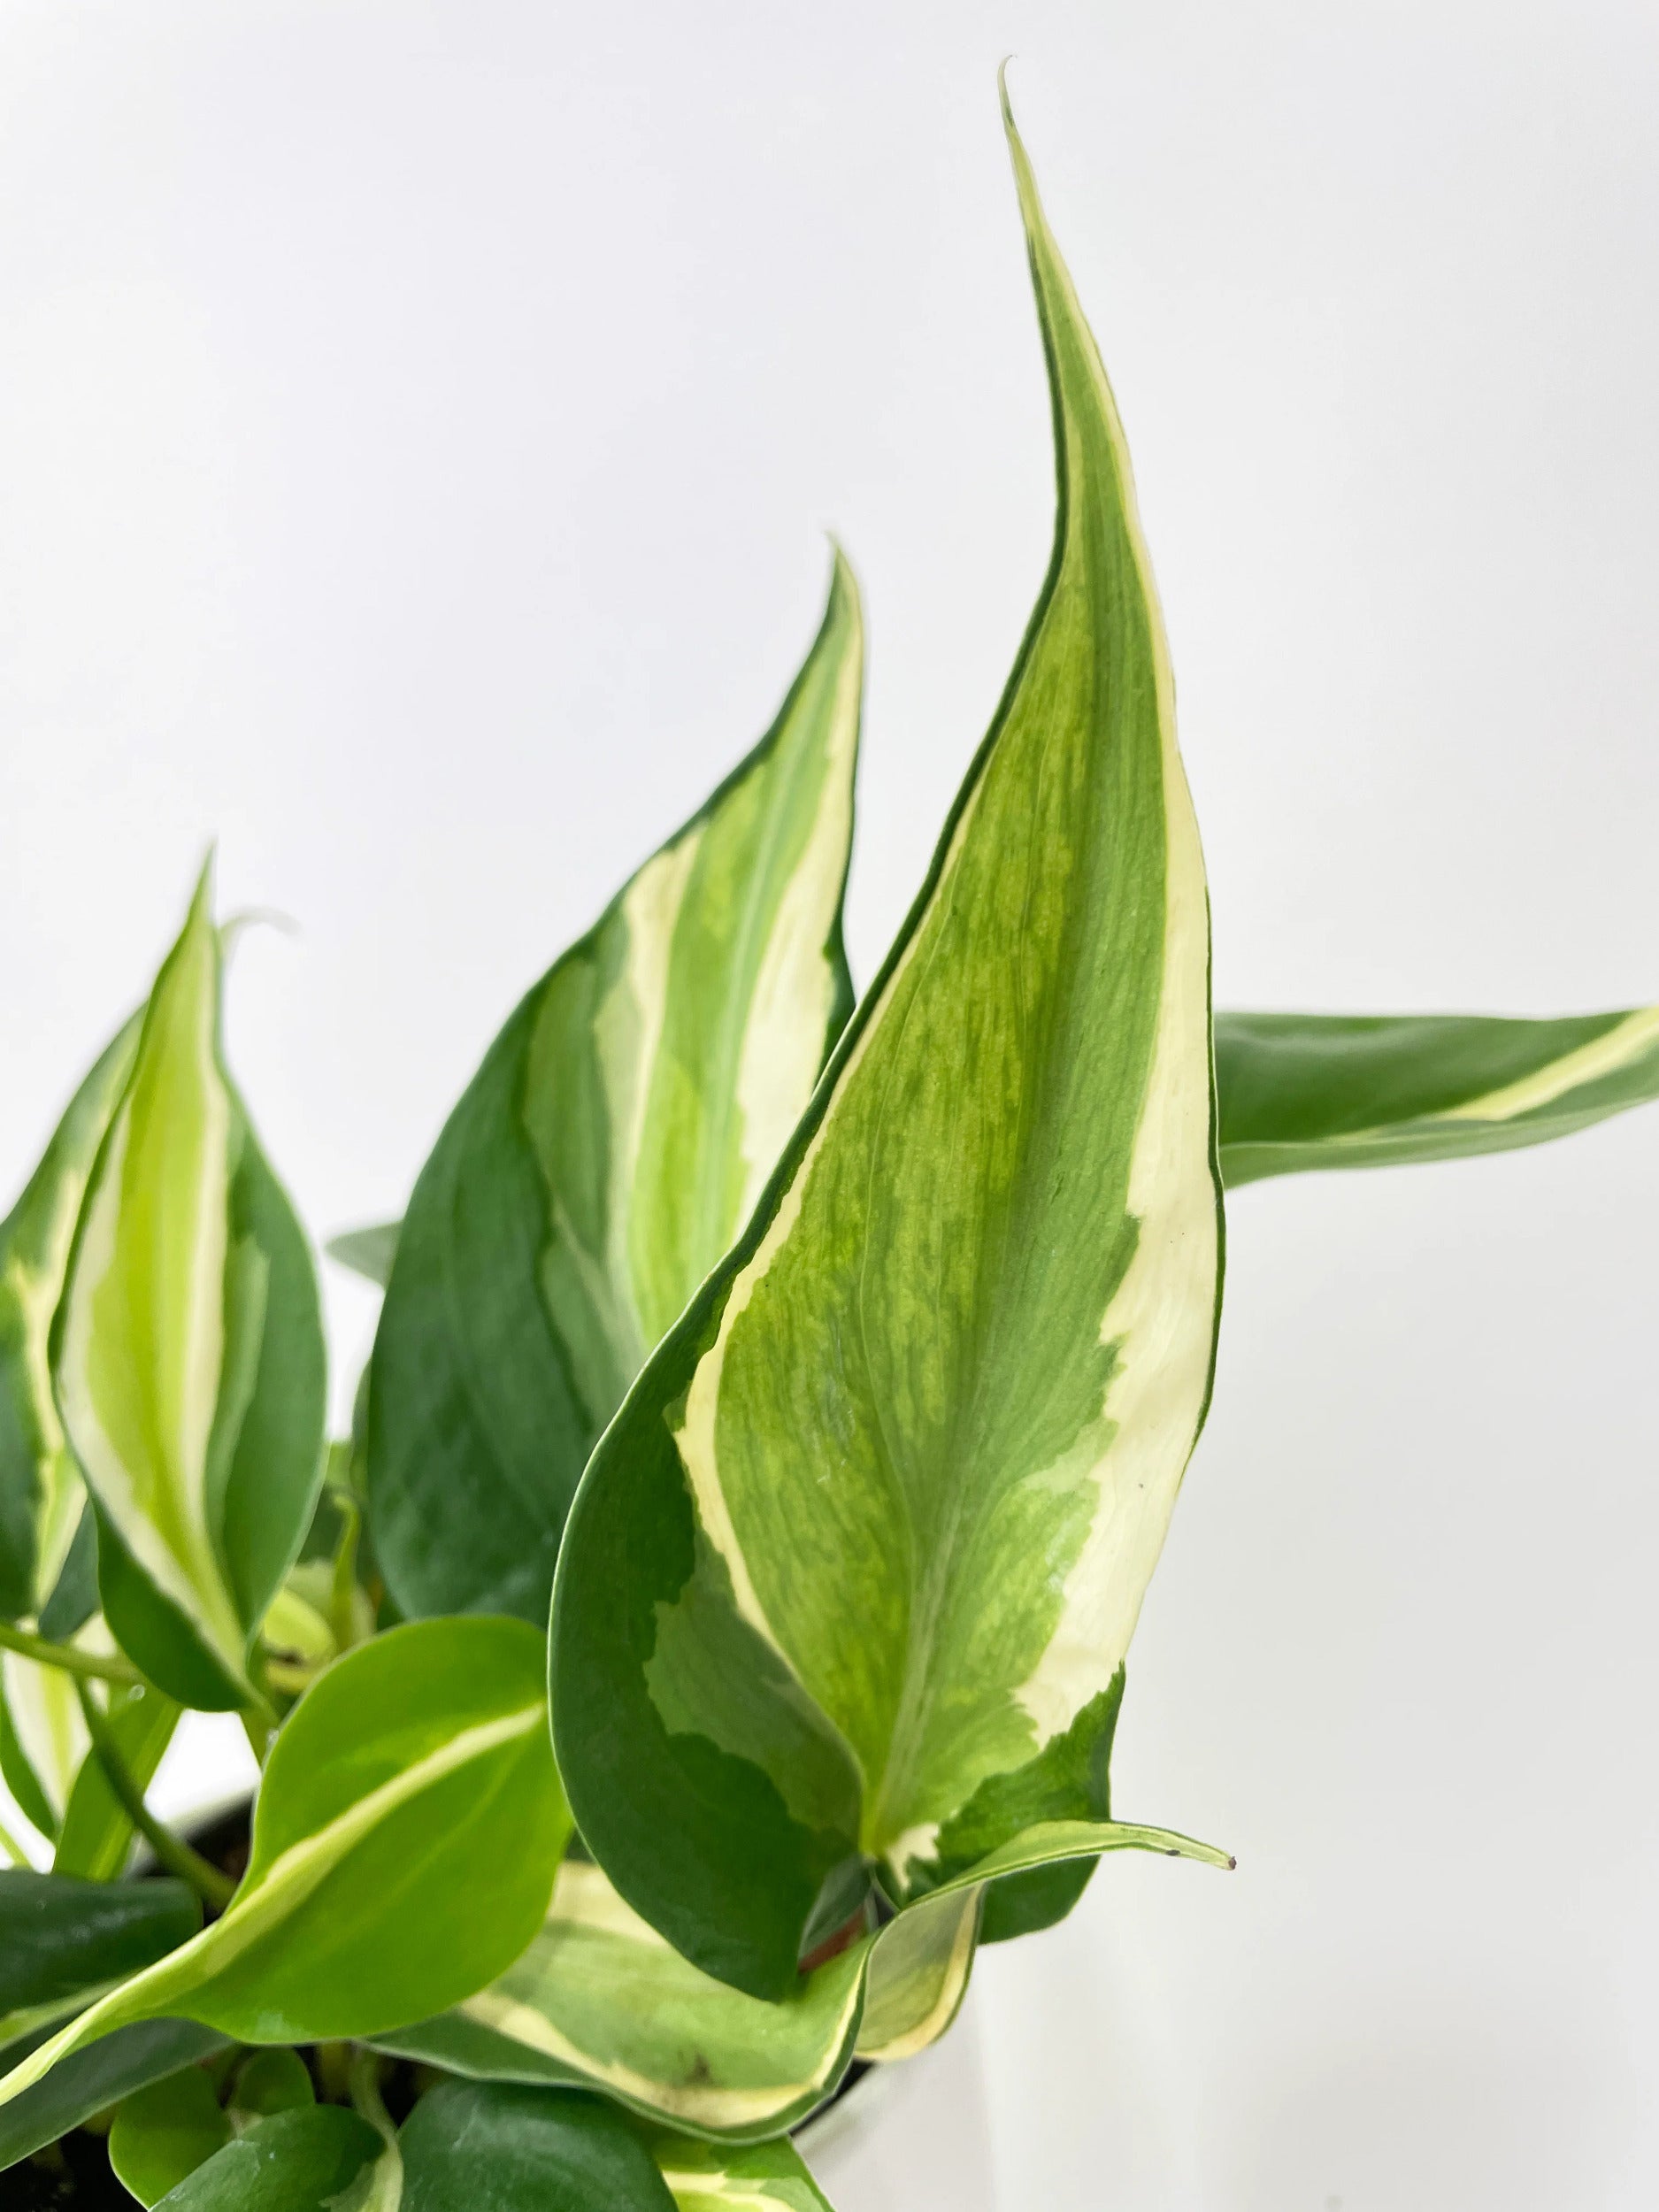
(40, 1496)
(405, 1838)
(1301, 1091)
(187, 1351)
(853, 1571)
(614, 1140)
(95, 1835)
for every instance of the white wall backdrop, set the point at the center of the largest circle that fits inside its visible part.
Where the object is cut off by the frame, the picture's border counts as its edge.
(418, 423)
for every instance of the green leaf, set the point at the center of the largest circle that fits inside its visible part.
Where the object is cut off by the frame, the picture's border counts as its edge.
(63, 1941)
(864, 1548)
(96, 1836)
(164, 2132)
(94, 2080)
(187, 1351)
(614, 1140)
(40, 1496)
(600, 2000)
(496, 2147)
(319, 2160)
(414, 1762)
(703, 2178)
(367, 1252)
(275, 2081)
(1300, 1091)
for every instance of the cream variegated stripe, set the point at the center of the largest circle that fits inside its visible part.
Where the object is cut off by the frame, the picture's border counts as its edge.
(1619, 1048)
(51, 1731)
(761, 2178)
(630, 1989)
(262, 1905)
(142, 1342)
(919, 1975)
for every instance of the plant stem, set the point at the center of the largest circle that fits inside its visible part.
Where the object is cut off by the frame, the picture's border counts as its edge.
(64, 1655)
(342, 1612)
(213, 1887)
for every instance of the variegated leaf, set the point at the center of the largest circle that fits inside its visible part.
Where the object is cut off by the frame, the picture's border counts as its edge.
(1302, 1091)
(756, 2178)
(853, 1571)
(397, 1776)
(41, 1494)
(187, 1353)
(600, 2001)
(614, 1140)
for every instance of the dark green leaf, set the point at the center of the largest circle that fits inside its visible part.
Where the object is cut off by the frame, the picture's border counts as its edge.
(492, 2147)
(93, 2080)
(61, 1938)
(295, 2161)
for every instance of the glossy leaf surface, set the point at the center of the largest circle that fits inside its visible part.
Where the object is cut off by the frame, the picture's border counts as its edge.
(1307, 1091)
(600, 1163)
(494, 2148)
(321, 2161)
(41, 1493)
(400, 1774)
(187, 1353)
(94, 2080)
(164, 2132)
(96, 1836)
(61, 1940)
(854, 1570)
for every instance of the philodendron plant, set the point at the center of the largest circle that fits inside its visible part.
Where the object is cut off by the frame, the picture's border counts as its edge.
(713, 1629)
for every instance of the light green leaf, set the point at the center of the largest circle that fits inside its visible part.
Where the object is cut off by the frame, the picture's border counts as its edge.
(164, 2132)
(1301, 1091)
(41, 1495)
(852, 1572)
(600, 2000)
(273, 2081)
(97, 1836)
(367, 1252)
(749, 2178)
(187, 1351)
(319, 2160)
(496, 2147)
(919, 1974)
(615, 1137)
(94, 2080)
(396, 1777)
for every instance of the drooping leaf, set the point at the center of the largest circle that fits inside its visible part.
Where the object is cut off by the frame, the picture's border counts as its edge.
(614, 1140)
(600, 2001)
(853, 1571)
(367, 1252)
(188, 1352)
(414, 1762)
(164, 2132)
(62, 1942)
(94, 2080)
(318, 2161)
(1302, 1091)
(736, 2178)
(499, 2148)
(96, 1836)
(41, 1494)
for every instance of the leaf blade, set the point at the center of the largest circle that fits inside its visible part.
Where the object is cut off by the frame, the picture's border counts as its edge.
(919, 1317)
(605, 1154)
(1303, 1092)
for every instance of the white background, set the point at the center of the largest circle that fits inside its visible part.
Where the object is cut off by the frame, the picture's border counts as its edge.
(417, 427)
